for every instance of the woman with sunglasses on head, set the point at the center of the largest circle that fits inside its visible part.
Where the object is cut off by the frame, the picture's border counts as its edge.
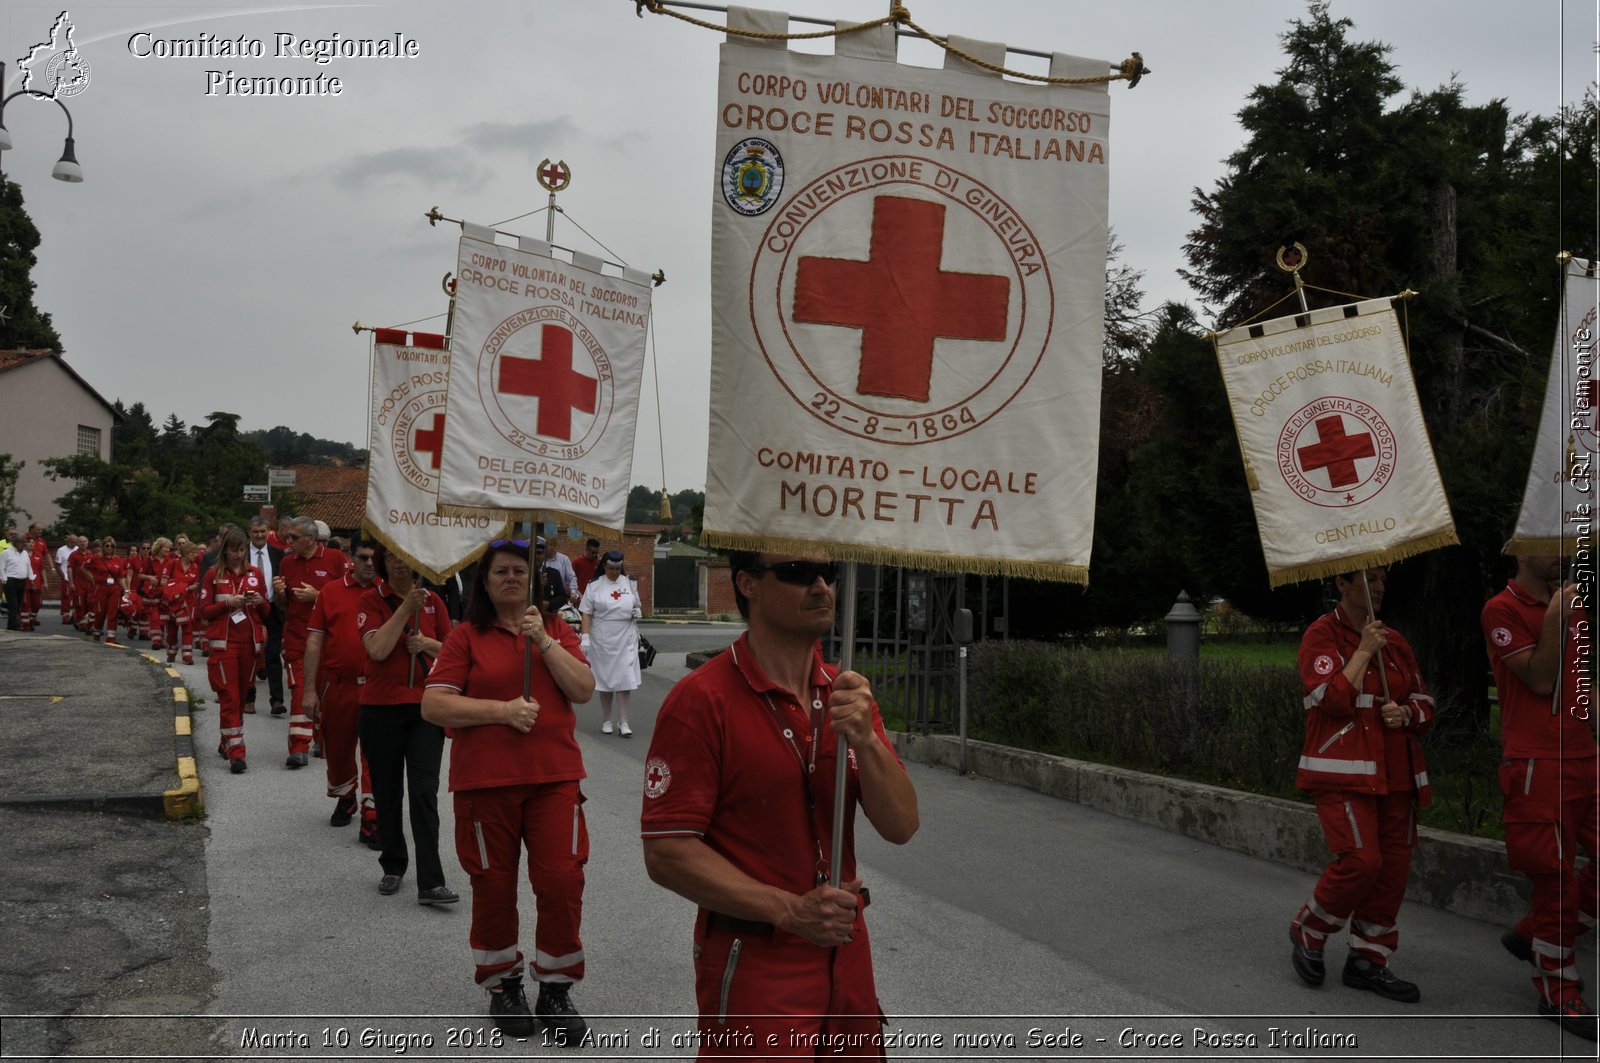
(610, 608)
(403, 625)
(233, 605)
(515, 769)
(108, 576)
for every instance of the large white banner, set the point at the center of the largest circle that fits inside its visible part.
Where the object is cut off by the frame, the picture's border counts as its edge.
(908, 298)
(409, 374)
(1337, 456)
(1558, 505)
(544, 392)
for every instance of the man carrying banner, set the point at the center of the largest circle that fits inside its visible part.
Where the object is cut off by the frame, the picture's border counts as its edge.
(1366, 705)
(732, 738)
(1537, 635)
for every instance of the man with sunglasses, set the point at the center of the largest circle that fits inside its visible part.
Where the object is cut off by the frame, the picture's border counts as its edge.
(738, 818)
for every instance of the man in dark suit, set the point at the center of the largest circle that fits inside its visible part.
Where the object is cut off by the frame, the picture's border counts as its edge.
(268, 559)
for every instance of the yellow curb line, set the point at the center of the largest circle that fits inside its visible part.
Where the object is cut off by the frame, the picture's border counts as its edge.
(173, 672)
(181, 725)
(188, 798)
(180, 694)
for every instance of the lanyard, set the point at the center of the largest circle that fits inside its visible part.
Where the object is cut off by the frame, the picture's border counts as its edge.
(808, 767)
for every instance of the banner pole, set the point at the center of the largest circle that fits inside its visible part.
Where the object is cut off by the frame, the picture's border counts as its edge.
(847, 654)
(1383, 671)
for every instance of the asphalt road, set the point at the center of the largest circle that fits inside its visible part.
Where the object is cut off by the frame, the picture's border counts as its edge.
(1012, 926)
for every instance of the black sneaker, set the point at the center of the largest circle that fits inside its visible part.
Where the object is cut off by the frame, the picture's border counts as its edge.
(508, 1007)
(344, 810)
(296, 761)
(239, 767)
(1308, 963)
(1517, 945)
(562, 1023)
(1362, 973)
(1575, 1016)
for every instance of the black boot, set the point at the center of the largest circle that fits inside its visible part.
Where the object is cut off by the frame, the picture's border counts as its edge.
(563, 1026)
(1362, 973)
(508, 1007)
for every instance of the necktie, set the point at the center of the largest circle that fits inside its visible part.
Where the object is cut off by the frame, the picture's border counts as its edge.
(261, 563)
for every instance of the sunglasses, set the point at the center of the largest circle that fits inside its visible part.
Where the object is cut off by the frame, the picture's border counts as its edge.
(801, 573)
(520, 544)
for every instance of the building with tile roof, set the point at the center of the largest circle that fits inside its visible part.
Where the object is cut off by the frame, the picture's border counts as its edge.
(48, 411)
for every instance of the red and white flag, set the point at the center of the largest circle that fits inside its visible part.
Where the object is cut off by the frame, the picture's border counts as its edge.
(409, 375)
(544, 389)
(1558, 506)
(1341, 472)
(909, 281)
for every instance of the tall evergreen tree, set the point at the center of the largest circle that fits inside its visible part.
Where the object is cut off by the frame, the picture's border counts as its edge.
(24, 325)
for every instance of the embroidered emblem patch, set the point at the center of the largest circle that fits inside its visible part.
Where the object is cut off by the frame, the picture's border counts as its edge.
(752, 176)
(1323, 665)
(1501, 636)
(657, 777)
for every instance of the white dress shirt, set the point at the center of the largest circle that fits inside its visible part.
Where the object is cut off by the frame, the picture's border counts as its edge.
(260, 558)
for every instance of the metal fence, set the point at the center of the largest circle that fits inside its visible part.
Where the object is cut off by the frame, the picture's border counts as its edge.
(905, 638)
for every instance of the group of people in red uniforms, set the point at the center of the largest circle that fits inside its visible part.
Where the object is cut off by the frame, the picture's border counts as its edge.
(150, 592)
(1366, 705)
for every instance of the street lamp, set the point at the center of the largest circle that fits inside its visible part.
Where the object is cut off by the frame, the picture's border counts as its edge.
(67, 168)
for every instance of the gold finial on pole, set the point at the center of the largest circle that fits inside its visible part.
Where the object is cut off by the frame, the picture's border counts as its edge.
(1292, 259)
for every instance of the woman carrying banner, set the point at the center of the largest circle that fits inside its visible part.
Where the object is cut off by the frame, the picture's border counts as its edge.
(402, 625)
(609, 609)
(233, 606)
(1365, 706)
(505, 684)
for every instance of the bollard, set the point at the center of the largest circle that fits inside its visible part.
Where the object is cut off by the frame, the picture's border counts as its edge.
(1183, 630)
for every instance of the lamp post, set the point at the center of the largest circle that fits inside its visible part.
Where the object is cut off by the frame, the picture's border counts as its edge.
(67, 168)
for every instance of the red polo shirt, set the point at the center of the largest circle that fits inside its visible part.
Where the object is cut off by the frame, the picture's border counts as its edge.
(343, 656)
(324, 566)
(585, 570)
(1512, 622)
(488, 664)
(391, 680)
(731, 759)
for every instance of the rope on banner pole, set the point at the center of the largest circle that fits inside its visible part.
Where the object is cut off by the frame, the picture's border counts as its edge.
(1131, 69)
(659, 277)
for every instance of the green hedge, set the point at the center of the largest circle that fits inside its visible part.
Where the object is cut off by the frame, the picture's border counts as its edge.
(1224, 722)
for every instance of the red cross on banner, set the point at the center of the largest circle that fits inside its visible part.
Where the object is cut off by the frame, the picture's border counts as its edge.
(1336, 451)
(431, 441)
(901, 298)
(551, 379)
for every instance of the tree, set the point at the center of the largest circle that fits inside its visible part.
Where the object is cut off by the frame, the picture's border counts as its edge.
(24, 325)
(1452, 200)
(8, 491)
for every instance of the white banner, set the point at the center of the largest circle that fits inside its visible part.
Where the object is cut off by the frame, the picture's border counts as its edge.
(409, 374)
(1341, 472)
(1558, 505)
(909, 268)
(545, 390)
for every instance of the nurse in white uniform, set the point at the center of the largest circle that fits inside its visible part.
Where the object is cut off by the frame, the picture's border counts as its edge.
(609, 609)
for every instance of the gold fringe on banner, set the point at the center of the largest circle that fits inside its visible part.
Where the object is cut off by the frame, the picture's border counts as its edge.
(1357, 562)
(532, 516)
(917, 559)
(377, 534)
(1566, 546)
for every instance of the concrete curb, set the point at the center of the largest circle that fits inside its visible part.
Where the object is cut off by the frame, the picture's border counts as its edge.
(1453, 872)
(188, 798)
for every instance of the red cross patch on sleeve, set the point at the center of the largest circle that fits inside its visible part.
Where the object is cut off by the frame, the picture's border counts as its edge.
(1323, 665)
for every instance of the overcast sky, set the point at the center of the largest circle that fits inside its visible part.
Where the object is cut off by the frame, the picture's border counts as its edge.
(219, 248)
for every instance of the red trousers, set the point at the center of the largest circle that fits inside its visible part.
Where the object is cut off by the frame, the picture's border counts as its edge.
(492, 827)
(155, 621)
(65, 595)
(1371, 837)
(231, 670)
(107, 604)
(769, 994)
(300, 729)
(341, 719)
(1552, 809)
(32, 598)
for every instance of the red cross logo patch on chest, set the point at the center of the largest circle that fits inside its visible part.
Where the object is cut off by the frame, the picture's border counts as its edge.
(1336, 452)
(900, 300)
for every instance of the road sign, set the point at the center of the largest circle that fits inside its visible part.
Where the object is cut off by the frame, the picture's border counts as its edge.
(257, 493)
(281, 477)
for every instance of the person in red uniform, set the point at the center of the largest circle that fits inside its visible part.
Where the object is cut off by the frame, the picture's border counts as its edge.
(152, 582)
(108, 575)
(515, 769)
(1537, 632)
(180, 590)
(83, 588)
(33, 595)
(233, 606)
(333, 665)
(1366, 705)
(403, 625)
(305, 571)
(64, 566)
(587, 566)
(738, 818)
